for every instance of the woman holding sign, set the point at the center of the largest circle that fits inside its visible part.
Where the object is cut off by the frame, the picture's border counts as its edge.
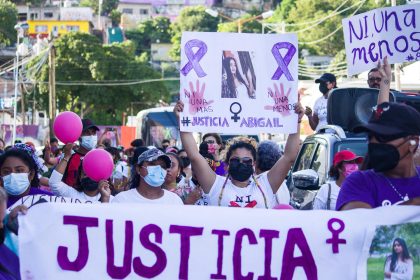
(240, 188)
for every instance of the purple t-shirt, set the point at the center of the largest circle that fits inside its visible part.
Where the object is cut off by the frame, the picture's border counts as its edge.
(13, 199)
(221, 169)
(10, 264)
(375, 190)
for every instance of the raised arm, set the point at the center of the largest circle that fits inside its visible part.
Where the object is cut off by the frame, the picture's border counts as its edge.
(313, 118)
(386, 76)
(279, 171)
(47, 154)
(205, 175)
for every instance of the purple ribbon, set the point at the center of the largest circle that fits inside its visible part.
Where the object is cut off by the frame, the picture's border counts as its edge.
(194, 58)
(283, 62)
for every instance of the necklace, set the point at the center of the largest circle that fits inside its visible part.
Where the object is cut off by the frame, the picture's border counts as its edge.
(406, 197)
(255, 181)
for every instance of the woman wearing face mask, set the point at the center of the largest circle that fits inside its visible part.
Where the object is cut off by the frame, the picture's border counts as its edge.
(240, 188)
(86, 188)
(119, 176)
(344, 163)
(326, 82)
(19, 173)
(214, 144)
(147, 180)
(185, 163)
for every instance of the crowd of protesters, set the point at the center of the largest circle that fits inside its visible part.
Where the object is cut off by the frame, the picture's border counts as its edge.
(236, 173)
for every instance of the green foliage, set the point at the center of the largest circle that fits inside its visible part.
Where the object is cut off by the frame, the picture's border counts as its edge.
(115, 16)
(81, 57)
(148, 32)
(252, 26)
(193, 18)
(107, 5)
(8, 19)
(375, 268)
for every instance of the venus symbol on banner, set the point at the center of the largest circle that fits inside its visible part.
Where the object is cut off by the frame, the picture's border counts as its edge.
(335, 240)
(194, 58)
(283, 62)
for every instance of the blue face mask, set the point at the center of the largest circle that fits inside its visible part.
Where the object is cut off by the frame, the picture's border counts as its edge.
(16, 183)
(155, 175)
(89, 142)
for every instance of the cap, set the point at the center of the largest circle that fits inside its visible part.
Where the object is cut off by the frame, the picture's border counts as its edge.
(154, 154)
(392, 119)
(346, 155)
(87, 123)
(326, 77)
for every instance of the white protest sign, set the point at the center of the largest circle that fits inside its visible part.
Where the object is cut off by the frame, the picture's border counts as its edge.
(117, 241)
(393, 32)
(239, 83)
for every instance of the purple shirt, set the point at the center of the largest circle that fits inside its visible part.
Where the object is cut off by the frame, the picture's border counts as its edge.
(10, 262)
(374, 189)
(13, 199)
(220, 170)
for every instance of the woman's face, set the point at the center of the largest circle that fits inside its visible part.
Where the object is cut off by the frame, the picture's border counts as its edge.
(243, 155)
(212, 144)
(397, 247)
(183, 154)
(173, 171)
(232, 65)
(15, 165)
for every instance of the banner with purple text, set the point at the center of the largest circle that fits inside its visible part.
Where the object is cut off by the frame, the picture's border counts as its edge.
(127, 241)
(393, 32)
(239, 83)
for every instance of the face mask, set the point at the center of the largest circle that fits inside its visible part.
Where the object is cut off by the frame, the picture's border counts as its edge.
(383, 157)
(185, 162)
(88, 184)
(323, 88)
(212, 148)
(89, 142)
(155, 175)
(350, 168)
(16, 183)
(240, 171)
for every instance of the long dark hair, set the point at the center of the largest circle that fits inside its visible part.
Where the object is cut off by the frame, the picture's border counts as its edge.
(394, 256)
(230, 79)
(27, 159)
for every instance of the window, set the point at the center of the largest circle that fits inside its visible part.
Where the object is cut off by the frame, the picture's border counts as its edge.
(320, 164)
(33, 16)
(127, 11)
(48, 15)
(305, 157)
(144, 12)
(73, 28)
(41, 28)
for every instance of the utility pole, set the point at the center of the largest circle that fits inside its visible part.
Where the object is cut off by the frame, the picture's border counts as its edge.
(22, 103)
(51, 87)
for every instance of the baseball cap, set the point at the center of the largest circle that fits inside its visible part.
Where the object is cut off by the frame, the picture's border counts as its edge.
(154, 154)
(346, 155)
(392, 119)
(326, 77)
(87, 123)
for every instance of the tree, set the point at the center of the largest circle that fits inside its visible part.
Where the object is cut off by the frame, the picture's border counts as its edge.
(115, 17)
(253, 26)
(193, 18)
(81, 57)
(8, 19)
(107, 5)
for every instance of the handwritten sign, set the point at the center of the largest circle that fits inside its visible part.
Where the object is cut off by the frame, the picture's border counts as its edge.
(393, 32)
(97, 241)
(239, 83)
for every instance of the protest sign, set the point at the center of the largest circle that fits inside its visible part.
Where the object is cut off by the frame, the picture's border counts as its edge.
(127, 241)
(238, 83)
(392, 32)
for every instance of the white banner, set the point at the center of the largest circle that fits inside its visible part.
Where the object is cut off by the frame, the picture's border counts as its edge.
(239, 83)
(393, 32)
(99, 241)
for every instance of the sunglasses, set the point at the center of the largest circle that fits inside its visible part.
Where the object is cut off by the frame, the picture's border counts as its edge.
(210, 142)
(375, 79)
(245, 160)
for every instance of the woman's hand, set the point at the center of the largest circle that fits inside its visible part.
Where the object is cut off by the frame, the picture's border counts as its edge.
(12, 222)
(385, 70)
(179, 108)
(300, 111)
(193, 196)
(104, 190)
(67, 150)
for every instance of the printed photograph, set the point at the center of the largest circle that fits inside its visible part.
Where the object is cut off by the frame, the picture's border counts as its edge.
(238, 75)
(395, 253)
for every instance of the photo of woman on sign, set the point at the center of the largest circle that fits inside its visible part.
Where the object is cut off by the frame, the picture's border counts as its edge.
(235, 84)
(399, 264)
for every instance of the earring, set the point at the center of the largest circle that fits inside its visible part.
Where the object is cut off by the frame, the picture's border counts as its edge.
(413, 142)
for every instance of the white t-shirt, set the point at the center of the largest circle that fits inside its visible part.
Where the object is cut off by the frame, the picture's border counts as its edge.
(121, 170)
(242, 91)
(283, 194)
(320, 109)
(133, 196)
(60, 188)
(321, 198)
(250, 197)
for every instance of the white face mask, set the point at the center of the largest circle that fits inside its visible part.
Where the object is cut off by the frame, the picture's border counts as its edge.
(16, 183)
(89, 142)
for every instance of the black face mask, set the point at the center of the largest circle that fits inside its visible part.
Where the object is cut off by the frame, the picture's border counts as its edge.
(185, 162)
(383, 157)
(240, 171)
(323, 88)
(2, 235)
(88, 184)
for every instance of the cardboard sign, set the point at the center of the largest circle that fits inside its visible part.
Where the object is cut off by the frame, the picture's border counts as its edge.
(239, 83)
(128, 241)
(393, 32)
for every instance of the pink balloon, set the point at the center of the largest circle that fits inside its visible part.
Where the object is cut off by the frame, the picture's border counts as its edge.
(283, 207)
(68, 127)
(98, 164)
